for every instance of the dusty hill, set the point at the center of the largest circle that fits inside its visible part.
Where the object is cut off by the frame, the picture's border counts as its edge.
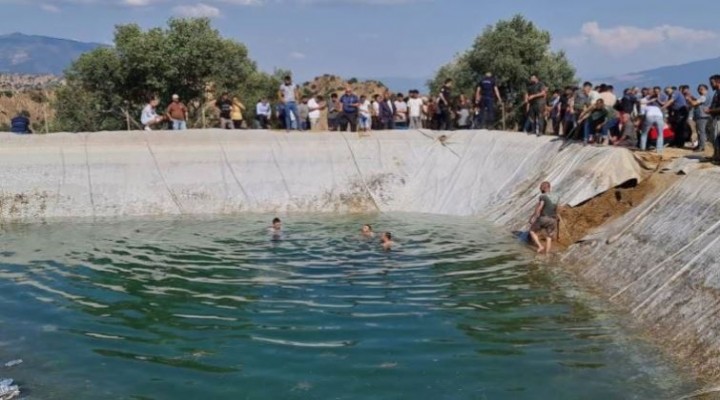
(328, 84)
(24, 82)
(35, 102)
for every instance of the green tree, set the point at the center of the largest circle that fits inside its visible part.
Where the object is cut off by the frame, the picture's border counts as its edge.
(188, 58)
(512, 50)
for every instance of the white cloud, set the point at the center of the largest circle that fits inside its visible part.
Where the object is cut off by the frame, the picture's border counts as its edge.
(197, 10)
(244, 2)
(296, 55)
(139, 3)
(622, 40)
(51, 8)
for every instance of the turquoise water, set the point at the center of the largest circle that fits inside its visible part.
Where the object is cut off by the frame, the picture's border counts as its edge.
(217, 309)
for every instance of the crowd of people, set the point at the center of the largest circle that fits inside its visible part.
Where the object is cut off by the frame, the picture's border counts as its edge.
(639, 117)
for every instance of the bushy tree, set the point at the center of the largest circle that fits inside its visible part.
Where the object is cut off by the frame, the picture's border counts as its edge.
(512, 50)
(188, 57)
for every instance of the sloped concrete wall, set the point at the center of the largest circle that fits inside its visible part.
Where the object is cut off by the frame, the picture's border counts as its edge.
(662, 260)
(219, 172)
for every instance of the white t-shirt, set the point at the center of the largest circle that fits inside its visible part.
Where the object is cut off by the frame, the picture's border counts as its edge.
(376, 107)
(415, 106)
(365, 108)
(402, 109)
(594, 96)
(652, 110)
(148, 114)
(312, 103)
(609, 98)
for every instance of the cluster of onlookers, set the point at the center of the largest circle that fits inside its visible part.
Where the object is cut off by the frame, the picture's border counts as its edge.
(633, 119)
(637, 118)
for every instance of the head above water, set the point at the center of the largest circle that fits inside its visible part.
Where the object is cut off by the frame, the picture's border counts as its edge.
(276, 223)
(366, 229)
(545, 187)
(386, 237)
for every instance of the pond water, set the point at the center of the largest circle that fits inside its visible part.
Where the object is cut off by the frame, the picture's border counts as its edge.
(219, 309)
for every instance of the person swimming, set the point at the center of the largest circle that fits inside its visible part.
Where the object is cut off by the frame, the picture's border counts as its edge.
(386, 240)
(367, 231)
(276, 228)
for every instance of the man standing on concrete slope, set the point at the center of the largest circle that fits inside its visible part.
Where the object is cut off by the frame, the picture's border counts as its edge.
(349, 115)
(415, 105)
(679, 113)
(485, 95)
(178, 114)
(536, 95)
(545, 218)
(288, 94)
(714, 112)
(445, 106)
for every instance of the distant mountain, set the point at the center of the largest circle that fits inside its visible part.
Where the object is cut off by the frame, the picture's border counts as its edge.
(691, 73)
(29, 54)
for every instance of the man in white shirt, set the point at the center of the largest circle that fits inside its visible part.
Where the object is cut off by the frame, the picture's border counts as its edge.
(149, 117)
(653, 117)
(606, 93)
(365, 117)
(415, 106)
(314, 115)
(263, 112)
(401, 114)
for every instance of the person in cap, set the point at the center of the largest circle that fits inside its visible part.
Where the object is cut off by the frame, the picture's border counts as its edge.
(178, 112)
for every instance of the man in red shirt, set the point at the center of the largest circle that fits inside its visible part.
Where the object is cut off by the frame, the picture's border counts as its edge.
(177, 113)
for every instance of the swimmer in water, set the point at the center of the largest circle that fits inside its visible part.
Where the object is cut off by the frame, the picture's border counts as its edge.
(386, 240)
(367, 231)
(276, 227)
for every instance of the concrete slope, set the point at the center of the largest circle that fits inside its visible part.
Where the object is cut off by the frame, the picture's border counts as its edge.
(107, 174)
(661, 260)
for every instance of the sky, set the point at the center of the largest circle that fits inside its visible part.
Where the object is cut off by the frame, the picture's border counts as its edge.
(399, 38)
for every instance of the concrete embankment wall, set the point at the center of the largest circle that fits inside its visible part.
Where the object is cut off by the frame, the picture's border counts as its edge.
(219, 172)
(661, 259)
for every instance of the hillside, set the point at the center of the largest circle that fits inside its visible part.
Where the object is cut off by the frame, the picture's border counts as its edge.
(29, 54)
(328, 84)
(690, 73)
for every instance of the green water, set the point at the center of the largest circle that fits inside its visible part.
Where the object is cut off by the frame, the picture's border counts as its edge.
(217, 309)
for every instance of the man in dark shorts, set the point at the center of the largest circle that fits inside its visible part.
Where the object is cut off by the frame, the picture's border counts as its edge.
(545, 218)
(536, 95)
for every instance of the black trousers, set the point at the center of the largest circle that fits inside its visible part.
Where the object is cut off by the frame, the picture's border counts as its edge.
(348, 119)
(445, 120)
(679, 122)
(262, 121)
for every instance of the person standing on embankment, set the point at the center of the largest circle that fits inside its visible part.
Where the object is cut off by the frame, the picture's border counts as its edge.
(545, 218)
